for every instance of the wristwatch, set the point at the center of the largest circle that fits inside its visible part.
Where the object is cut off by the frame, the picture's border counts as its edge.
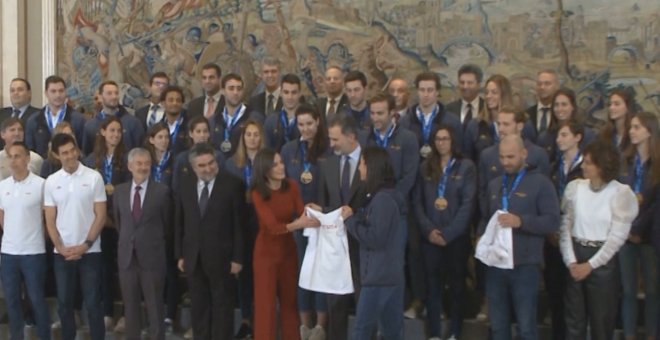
(89, 243)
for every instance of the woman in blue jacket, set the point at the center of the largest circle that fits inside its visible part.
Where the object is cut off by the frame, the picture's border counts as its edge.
(377, 228)
(444, 201)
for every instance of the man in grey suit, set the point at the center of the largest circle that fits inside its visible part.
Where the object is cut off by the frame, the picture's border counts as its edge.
(143, 212)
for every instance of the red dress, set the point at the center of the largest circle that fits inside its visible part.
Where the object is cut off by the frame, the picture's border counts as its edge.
(275, 264)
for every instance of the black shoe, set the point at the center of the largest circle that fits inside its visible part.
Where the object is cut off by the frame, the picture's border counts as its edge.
(245, 332)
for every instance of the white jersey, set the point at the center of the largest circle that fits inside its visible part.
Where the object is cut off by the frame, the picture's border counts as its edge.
(326, 267)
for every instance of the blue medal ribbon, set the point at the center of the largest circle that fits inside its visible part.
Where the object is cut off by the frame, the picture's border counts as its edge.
(563, 177)
(506, 195)
(52, 122)
(107, 170)
(230, 124)
(384, 140)
(303, 153)
(639, 170)
(287, 126)
(247, 172)
(177, 126)
(426, 126)
(442, 184)
(157, 171)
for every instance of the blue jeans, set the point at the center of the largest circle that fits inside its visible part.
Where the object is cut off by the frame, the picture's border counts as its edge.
(379, 307)
(516, 287)
(30, 269)
(629, 256)
(90, 270)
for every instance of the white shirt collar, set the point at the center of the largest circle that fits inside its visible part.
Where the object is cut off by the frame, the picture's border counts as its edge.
(474, 102)
(355, 155)
(143, 185)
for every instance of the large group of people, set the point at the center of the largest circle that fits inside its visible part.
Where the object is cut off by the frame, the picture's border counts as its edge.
(215, 190)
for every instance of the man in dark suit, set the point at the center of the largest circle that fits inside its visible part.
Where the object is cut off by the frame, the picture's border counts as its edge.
(355, 88)
(20, 94)
(398, 88)
(154, 112)
(40, 126)
(547, 83)
(334, 89)
(469, 86)
(143, 212)
(209, 241)
(212, 102)
(269, 100)
(340, 186)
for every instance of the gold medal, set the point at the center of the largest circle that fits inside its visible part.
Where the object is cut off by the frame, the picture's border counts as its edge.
(225, 146)
(441, 203)
(425, 151)
(640, 198)
(109, 189)
(306, 177)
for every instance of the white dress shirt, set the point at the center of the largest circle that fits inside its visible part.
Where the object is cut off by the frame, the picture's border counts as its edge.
(464, 108)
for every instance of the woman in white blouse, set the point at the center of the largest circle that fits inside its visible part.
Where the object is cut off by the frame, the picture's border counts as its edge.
(597, 214)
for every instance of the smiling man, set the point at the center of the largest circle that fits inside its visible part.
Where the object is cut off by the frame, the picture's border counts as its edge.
(20, 95)
(212, 101)
(469, 86)
(11, 131)
(280, 127)
(270, 99)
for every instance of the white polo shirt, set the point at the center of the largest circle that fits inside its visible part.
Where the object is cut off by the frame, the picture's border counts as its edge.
(23, 224)
(74, 196)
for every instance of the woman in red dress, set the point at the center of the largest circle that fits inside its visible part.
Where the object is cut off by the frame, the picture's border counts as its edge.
(279, 208)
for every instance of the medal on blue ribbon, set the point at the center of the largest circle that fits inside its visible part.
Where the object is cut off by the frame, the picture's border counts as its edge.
(306, 177)
(441, 202)
(506, 195)
(425, 150)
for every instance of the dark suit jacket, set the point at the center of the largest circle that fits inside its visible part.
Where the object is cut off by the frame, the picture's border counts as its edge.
(37, 134)
(258, 103)
(142, 114)
(8, 111)
(196, 106)
(147, 237)
(321, 103)
(456, 106)
(217, 237)
(329, 190)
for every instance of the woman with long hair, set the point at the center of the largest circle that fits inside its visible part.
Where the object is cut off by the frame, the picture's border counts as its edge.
(241, 166)
(51, 164)
(377, 229)
(444, 200)
(301, 158)
(279, 209)
(642, 159)
(109, 159)
(620, 109)
(597, 213)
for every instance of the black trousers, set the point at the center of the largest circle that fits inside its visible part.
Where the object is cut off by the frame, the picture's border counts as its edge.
(212, 296)
(555, 275)
(594, 300)
(339, 305)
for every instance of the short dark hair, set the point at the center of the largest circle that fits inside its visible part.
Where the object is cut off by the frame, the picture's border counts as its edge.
(605, 156)
(158, 75)
(54, 80)
(347, 123)
(380, 173)
(196, 120)
(356, 75)
(518, 115)
(471, 68)
(27, 83)
(213, 66)
(22, 145)
(291, 78)
(263, 162)
(172, 88)
(574, 126)
(9, 122)
(200, 150)
(231, 76)
(60, 140)
(432, 76)
(383, 97)
(107, 82)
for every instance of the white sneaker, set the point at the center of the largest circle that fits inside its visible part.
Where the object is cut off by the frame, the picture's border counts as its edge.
(305, 332)
(56, 325)
(120, 327)
(189, 334)
(317, 333)
(410, 313)
(483, 312)
(109, 323)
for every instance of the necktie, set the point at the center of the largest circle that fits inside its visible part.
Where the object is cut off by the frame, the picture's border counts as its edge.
(204, 198)
(332, 108)
(269, 104)
(544, 119)
(152, 118)
(468, 115)
(210, 107)
(346, 180)
(137, 204)
(16, 113)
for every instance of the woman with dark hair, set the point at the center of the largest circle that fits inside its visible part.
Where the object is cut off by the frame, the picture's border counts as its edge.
(301, 157)
(642, 159)
(377, 228)
(444, 200)
(279, 208)
(564, 109)
(109, 159)
(620, 110)
(596, 216)
(240, 165)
